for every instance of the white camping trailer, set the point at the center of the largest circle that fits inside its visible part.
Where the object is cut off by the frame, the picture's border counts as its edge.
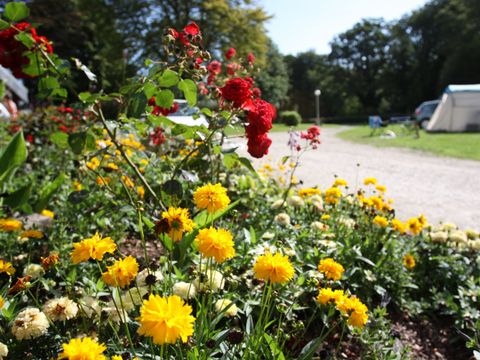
(458, 111)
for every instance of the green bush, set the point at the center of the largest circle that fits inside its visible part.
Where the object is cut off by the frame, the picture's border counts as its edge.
(290, 118)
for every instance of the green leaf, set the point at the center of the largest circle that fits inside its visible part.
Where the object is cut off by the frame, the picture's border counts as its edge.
(77, 142)
(164, 99)
(245, 162)
(207, 112)
(189, 90)
(18, 197)
(60, 139)
(168, 78)
(25, 39)
(46, 85)
(16, 11)
(34, 67)
(149, 90)
(76, 197)
(47, 191)
(87, 97)
(137, 105)
(13, 156)
(4, 25)
(229, 160)
(173, 187)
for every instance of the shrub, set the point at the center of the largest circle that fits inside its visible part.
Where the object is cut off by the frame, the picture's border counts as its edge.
(290, 118)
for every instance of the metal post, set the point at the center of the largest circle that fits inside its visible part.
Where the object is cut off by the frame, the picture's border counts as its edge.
(317, 106)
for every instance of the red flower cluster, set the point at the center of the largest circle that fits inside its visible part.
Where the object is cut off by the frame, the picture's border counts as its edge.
(230, 53)
(312, 135)
(190, 33)
(157, 137)
(11, 50)
(157, 110)
(251, 59)
(238, 91)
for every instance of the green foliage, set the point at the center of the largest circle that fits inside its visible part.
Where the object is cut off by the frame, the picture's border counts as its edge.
(14, 155)
(290, 118)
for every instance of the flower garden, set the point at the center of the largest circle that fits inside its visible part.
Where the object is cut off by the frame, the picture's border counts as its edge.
(125, 235)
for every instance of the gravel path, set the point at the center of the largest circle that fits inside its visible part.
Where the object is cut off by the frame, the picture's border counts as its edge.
(444, 189)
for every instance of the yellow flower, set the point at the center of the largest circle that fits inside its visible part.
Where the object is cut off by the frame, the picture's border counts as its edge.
(398, 226)
(48, 213)
(331, 269)
(355, 310)
(111, 166)
(422, 220)
(9, 225)
(275, 268)
(77, 186)
(121, 273)
(102, 181)
(332, 194)
(211, 197)
(141, 191)
(32, 234)
(127, 181)
(178, 222)
(93, 164)
(325, 217)
(370, 181)
(340, 182)
(308, 192)
(215, 243)
(377, 203)
(381, 188)
(409, 261)
(83, 349)
(380, 221)
(92, 248)
(2, 302)
(6, 267)
(326, 295)
(414, 226)
(166, 319)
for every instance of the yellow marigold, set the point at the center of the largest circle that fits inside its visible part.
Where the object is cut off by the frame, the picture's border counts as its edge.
(370, 181)
(141, 191)
(276, 268)
(128, 182)
(2, 302)
(422, 220)
(211, 197)
(355, 310)
(325, 217)
(215, 243)
(179, 222)
(308, 192)
(102, 181)
(380, 221)
(326, 295)
(340, 182)
(332, 194)
(9, 225)
(111, 166)
(6, 267)
(48, 213)
(331, 269)
(414, 226)
(92, 248)
(409, 261)
(166, 319)
(32, 234)
(377, 203)
(93, 164)
(83, 349)
(121, 273)
(381, 188)
(398, 226)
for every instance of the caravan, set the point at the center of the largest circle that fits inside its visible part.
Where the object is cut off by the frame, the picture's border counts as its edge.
(458, 111)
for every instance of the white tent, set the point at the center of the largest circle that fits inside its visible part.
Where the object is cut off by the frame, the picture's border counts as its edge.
(14, 84)
(459, 110)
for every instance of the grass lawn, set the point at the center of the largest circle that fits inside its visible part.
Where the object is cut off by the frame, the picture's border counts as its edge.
(276, 128)
(465, 146)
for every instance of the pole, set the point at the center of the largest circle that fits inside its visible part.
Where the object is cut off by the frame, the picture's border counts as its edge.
(317, 106)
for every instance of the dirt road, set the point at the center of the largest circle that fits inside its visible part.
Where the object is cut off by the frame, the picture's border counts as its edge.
(444, 189)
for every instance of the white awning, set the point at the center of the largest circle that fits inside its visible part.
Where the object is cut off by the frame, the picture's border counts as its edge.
(13, 84)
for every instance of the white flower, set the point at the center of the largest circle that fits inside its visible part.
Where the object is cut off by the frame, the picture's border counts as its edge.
(295, 201)
(30, 323)
(282, 219)
(60, 309)
(142, 276)
(472, 234)
(115, 312)
(439, 236)
(277, 204)
(132, 297)
(231, 308)
(458, 236)
(268, 236)
(474, 244)
(34, 270)
(184, 290)
(3, 351)
(289, 252)
(89, 306)
(347, 222)
(448, 226)
(212, 280)
(328, 243)
(317, 225)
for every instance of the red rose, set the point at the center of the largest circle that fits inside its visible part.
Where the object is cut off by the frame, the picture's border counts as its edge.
(237, 90)
(230, 53)
(257, 92)
(184, 39)
(63, 128)
(251, 59)
(192, 29)
(260, 117)
(202, 89)
(215, 67)
(173, 33)
(29, 138)
(157, 136)
(232, 68)
(258, 145)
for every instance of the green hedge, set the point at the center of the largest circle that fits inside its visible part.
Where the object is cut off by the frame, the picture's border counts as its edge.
(290, 118)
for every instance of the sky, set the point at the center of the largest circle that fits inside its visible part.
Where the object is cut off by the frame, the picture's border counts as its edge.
(302, 25)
